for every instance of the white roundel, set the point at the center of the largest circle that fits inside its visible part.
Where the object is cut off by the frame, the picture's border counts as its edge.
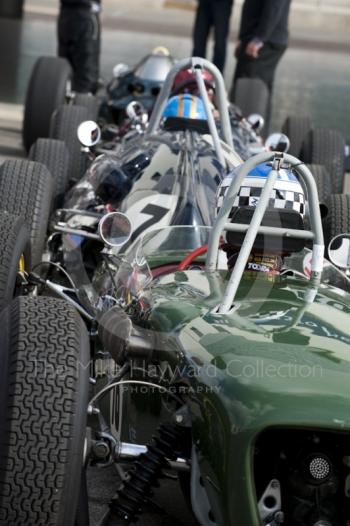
(287, 193)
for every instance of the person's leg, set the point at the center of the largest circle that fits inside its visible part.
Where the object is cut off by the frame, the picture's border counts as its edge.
(263, 67)
(221, 14)
(201, 28)
(63, 36)
(79, 43)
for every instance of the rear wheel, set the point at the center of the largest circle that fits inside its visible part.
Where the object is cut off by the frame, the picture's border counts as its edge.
(55, 156)
(326, 147)
(43, 395)
(323, 182)
(251, 96)
(64, 125)
(14, 252)
(337, 220)
(26, 191)
(47, 90)
(89, 101)
(296, 128)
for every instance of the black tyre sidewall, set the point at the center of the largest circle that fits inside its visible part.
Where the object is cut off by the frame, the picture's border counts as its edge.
(90, 102)
(337, 220)
(296, 128)
(26, 189)
(64, 125)
(54, 155)
(46, 91)
(14, 242)
(326, 147)
(62, 497)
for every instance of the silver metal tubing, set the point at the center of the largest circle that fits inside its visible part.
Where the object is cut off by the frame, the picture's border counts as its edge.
(238, 269)
(271, 231)
(194, 63)
(60, 291)
(76, 211)
(77, 232)
(126, 451)
(252, 230)
(210, 117)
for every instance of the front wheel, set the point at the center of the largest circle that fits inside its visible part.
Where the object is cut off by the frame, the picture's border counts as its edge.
(337, 220)
(26, 191)
(327, 147)
(64, 126)
(43, 405)
(14, 254)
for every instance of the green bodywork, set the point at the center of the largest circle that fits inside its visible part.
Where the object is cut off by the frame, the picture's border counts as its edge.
(278, 359)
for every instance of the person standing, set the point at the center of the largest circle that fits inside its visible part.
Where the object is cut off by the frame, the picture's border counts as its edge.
(79, 41)
(212, 13)
(263, 39)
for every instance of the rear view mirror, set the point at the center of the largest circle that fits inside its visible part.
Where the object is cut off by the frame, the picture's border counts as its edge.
(120, 70)
(339, 251)
(136, 112)
(89, 133)
(115, 229)
(277, 142)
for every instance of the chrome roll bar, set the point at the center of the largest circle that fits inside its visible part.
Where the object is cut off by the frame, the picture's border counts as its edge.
(221, 224)
(197, 65)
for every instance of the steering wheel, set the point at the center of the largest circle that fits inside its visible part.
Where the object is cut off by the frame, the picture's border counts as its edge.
(186, 262)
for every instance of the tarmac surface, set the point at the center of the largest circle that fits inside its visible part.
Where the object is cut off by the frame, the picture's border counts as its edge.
(313, 78)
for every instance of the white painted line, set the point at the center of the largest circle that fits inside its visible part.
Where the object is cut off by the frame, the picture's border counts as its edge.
(41, 10)
(11, 112)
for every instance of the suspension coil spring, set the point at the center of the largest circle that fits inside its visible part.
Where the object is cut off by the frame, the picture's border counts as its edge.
(134, 492)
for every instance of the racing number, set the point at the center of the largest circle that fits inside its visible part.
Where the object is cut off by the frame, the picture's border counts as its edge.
(156, 212)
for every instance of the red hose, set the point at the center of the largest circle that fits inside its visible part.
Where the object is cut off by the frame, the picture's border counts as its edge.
(192, 256)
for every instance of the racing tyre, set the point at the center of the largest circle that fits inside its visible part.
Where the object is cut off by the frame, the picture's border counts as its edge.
(55, 156)
(64, 126)
(26, 191)
(251, 96)
(90, 102)
(323, 182)
(337, 220)
(48, 88)
(44, 395)
(296, 129)
(326, 147)
(14, 244)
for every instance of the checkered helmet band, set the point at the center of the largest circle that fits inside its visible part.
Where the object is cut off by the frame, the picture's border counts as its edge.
(287, 193)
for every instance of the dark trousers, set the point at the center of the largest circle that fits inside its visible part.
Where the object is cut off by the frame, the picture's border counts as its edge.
(263, 67)
(212, 13)
(79, 35)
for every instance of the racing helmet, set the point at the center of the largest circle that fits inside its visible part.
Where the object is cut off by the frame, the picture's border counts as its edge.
(185, 106)
(287, 207)
(185, 82)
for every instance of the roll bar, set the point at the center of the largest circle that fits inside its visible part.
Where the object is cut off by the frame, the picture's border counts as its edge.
(315, 234)
(198, 65)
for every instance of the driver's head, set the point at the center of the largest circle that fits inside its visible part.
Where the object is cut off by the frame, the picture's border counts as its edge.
(286, 209)
(185, 82)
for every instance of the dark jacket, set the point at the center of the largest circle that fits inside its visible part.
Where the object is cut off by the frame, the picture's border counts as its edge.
(266, 20)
